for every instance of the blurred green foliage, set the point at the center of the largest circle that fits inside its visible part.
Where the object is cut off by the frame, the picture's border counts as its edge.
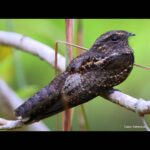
(102, 114)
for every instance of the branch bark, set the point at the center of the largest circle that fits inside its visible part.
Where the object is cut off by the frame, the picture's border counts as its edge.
(139, 106)
(34, 47)
(46, 53)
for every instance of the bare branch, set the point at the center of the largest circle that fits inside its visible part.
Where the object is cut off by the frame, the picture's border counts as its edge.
(9, 98)
(32, 46)
(10, 124)
(139, 106)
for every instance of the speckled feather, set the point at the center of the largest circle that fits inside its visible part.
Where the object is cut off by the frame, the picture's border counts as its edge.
(108, 63)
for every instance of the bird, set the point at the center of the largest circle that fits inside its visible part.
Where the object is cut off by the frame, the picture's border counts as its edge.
(106, 64)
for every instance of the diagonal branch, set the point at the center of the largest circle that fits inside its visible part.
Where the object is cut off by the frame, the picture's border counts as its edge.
(34, 47)
(46, 53)
(144, 123)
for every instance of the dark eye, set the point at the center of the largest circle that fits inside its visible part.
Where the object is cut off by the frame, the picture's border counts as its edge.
(114, 37)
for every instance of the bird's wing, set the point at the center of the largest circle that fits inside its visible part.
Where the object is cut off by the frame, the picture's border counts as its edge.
(44, 103)
(85, 62)
(91, 61)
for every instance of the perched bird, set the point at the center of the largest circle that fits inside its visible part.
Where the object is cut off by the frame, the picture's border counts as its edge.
(107, 63)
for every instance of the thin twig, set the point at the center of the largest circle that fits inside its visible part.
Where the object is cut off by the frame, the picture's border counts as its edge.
(70, 44)
(84, 123)
(141, 66)
(144, 123)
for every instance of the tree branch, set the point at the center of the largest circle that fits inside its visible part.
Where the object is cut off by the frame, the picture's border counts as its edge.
(31, 46)
(139, 106)
(10, 124)
(26, 44)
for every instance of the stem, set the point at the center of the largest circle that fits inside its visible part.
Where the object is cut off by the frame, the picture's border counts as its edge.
(56, 73)
(69, 38)
(79, 36)
(55, 63)
(83, 119)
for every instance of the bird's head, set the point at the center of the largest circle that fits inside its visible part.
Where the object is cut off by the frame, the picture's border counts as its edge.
(115, 38)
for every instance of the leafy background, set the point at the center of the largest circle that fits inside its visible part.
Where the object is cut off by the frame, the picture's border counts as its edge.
(26, 74)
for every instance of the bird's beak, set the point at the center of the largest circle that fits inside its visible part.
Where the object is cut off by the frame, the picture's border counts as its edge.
(131, 34)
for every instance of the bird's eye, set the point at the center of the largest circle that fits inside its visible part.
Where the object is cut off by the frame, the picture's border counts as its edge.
(114, 37)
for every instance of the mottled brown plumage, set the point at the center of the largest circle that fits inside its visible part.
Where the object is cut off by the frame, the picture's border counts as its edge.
(107, 63)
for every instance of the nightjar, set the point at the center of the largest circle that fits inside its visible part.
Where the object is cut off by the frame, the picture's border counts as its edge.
(107, 63)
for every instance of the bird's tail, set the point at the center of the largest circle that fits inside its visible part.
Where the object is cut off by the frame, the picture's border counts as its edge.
(44, 103)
